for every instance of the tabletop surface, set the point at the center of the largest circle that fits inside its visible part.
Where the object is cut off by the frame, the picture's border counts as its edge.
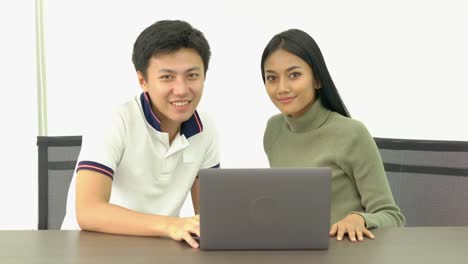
(392, 245)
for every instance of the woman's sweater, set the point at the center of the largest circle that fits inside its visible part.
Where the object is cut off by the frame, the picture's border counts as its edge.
(322, 138)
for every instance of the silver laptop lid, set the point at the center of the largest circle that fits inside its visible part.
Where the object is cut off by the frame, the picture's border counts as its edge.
(280, 208)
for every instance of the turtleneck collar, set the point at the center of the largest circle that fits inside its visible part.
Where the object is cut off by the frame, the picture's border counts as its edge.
(312, 119)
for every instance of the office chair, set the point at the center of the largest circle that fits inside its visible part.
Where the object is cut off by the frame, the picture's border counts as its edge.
(57, 159)
(429, 179)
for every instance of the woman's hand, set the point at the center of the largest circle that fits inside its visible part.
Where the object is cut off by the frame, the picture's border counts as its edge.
(354, 225)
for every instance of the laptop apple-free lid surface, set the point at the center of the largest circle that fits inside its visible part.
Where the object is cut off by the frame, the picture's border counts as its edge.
(264, 208)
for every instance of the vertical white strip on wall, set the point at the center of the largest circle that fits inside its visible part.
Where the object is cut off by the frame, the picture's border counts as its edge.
(41, 71)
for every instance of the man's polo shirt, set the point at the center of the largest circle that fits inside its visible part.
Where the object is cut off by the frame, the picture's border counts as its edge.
(148, 174)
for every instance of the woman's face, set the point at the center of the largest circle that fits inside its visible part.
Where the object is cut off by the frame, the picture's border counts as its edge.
(290, 82)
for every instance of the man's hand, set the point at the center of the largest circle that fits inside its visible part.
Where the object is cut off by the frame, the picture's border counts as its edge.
(353, 225)
(181, 229)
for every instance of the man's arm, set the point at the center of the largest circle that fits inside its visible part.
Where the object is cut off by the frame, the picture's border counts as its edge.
(195, 197)
(95, 213)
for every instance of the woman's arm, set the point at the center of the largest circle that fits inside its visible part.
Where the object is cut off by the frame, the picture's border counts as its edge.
(372, 184)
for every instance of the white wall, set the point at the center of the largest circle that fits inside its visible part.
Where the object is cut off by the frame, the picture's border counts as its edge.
(18, 154)
(399, 65)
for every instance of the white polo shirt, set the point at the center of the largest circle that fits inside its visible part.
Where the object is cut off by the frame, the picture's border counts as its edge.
(148, 174)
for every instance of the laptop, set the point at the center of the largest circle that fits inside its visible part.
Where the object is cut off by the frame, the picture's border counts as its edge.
(261, 209)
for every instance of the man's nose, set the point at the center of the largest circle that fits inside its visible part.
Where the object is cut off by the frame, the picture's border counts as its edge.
(181, 87)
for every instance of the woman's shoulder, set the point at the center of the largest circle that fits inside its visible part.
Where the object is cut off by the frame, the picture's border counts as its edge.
(344, 123)
(272, 130)
(347, 128)
(275, 122)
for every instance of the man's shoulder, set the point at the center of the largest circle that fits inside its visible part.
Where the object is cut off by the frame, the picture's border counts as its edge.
(128, 113)
(130, 106)
(209, 134)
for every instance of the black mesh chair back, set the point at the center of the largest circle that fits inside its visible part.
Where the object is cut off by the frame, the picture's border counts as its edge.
(429, 179)
(57, 160)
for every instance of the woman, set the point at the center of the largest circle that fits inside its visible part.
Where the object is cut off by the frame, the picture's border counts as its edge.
(315, 129)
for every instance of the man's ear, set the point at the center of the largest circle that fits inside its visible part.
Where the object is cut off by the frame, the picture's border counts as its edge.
(142, 81)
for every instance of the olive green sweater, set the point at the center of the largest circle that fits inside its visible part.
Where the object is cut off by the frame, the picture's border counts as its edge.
(322, 138)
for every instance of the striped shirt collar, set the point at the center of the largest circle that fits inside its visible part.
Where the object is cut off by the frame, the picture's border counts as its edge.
(188, 128)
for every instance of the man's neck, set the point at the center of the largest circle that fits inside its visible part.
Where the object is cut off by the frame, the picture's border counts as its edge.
(171, 129)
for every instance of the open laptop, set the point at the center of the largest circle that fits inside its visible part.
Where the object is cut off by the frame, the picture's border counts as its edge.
(279, 208)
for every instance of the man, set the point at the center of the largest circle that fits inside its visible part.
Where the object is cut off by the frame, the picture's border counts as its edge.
(134, 174)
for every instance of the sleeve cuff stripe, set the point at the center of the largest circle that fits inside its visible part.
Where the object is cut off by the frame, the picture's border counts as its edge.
(85, 167)
(90, 165)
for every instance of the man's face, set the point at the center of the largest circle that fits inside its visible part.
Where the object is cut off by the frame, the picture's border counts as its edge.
(174, 82)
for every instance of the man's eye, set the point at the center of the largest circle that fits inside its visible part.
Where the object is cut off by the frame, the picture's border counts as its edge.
(166, 77)
(193, 75)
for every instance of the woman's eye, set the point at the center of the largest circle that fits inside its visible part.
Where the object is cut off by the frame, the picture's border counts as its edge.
(270, 78)
(294, 75)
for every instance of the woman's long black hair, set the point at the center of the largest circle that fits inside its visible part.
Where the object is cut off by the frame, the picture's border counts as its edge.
(304, 46)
